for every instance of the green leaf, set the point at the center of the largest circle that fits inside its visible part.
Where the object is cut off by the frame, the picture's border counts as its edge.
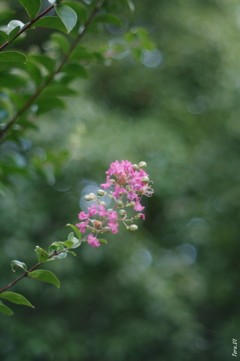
(61, 41)
(76, 70)
(57, 257)
(47, 104)
(81, 54)
(15, 264)
(72, 253)
(17, 99)
(4, 35)
(13, 28)
(12, 56)
(102, 240)
(12, 81)
(55, 246)
(45, 276)
(93, 28)
(42, 255)
(5, 16)
(58, 90)
(5, 309)
(76, 230)
(43, 60)
(108, 19)
(130, 4)
(14, 32)
(68, 244)
(77, 243)
(13, 24)
(32, 7)
(79, 9)
(16, 298)
(70, 237)
(55, 2)
(34, 72)
(67, 15)
(52, 22)
(74, 240)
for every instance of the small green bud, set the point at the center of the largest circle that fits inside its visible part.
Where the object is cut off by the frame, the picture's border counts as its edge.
(133, 227)
(109, 210)
(92, 195)
(132, 204)
(101, 192)
(88, 197)
(145, 179)
(120, 204)
(112, 181)
(142, 165)
(122, 212)
(105, 230)
(135, 166)
(102, 204)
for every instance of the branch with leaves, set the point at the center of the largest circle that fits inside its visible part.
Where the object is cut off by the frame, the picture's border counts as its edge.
(126, 183)
(32, 84)
(69, 19)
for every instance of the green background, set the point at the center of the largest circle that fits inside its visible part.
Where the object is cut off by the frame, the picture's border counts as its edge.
(169, 292)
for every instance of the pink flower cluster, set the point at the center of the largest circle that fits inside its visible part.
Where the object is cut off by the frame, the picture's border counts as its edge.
(109, 217)
(129, 177)
(130, 183)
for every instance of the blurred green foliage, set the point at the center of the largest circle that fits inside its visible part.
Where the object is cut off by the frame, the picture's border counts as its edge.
(169, 291)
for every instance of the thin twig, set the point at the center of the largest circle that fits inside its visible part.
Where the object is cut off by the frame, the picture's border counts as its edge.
(37, 265)
(27, 26)
(63, 62)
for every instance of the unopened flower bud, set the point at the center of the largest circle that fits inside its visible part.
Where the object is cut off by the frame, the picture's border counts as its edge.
(122, 212)
(101, 192)
(88, 197)
(97, 224)
(102, 203)
(112, 181)
(142, 165)
(120, 204)
(132, 204)
(145, 179)
(133, 227)
(109, 210)
(92, 195)
(105, 230)
(135, 166)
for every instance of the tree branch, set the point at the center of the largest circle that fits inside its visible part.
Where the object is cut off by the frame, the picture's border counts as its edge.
(50, 78)
(27, 26)
(36, 266)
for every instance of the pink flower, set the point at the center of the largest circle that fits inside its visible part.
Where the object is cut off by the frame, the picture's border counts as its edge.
(102, 211)
(129, 182)
(113, 226)
(138, 207)
(107, 184)
(112, 215)
(82, 216)
(132, 196)
(82, 226)
(93, 241)
(92, 210)
(118, 190)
